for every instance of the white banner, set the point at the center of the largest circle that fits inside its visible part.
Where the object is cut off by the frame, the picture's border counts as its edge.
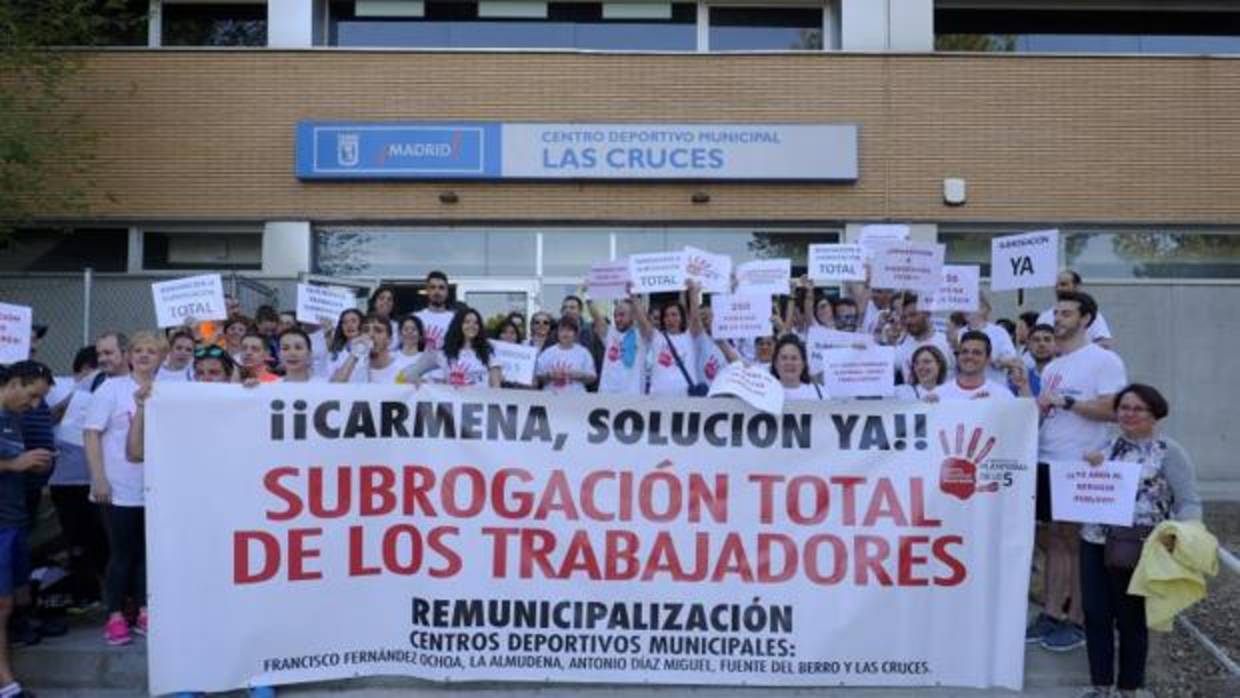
(516, 361)
(740, 316)
(752, 384)
(656, 272)
(608, 280)
(712, 271)
(1106, 494)
(836, 263)
(317, 302)
(16, 327)
(467, 535)
(1028, 260)
(958, 290)
(869, 372)
(908, 265)
(769, 276)
(199, 297)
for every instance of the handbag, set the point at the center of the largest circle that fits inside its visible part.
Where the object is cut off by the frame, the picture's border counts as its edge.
(695, 389)
(1123, 547)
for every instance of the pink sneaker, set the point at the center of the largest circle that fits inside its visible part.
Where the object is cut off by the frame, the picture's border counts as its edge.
(139, 626)
(116, 631)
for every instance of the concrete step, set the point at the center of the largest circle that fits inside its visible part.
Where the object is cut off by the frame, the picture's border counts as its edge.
(80, 665)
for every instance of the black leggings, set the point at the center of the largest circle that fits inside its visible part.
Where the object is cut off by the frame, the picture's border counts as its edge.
(81, 525)
(1108, 607)
(126, 576)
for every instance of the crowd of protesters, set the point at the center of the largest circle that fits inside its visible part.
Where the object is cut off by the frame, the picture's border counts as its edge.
(80, 436)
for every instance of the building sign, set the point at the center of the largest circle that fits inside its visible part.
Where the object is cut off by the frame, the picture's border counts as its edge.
(820, 152)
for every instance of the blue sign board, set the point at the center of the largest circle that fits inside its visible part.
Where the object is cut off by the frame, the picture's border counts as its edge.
(467, 150)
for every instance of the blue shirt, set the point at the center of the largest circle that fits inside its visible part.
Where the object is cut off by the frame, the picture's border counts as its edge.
(12, 484)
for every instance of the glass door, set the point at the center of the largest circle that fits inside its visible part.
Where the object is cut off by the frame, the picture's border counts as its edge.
(498, 297)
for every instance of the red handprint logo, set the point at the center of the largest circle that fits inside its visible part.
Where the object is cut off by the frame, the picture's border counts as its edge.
(613, 352)
(665, 359)
(958, 473)
(711, 369)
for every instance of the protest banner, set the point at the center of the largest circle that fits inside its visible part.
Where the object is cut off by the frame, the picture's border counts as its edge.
(656, 272)
(836, 263)
(608, 280)
(753, 384)
(740, 316)
(317, 302)
(198, 297)
(1028, 260)
(712, 271)
(883, 232)
(769, 276)
(958, 290)
(460, 535)
(869, 372)
(516, 361)
(16, 326)
(1106, 494)
(907, 265)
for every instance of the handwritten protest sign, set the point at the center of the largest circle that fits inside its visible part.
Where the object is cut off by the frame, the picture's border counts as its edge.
(608, 280)
(516, 361)
(869, 372)
(908, 265)
(1106, 494)
(958, 290)
(740, 316)
(712, 271)
(316, 302)
(656, 272)
(198, 297)
(15, 330)
(836, 263)
(769, 276)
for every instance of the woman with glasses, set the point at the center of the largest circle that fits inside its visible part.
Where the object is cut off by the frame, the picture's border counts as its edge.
(540, 329)
(1167, 490)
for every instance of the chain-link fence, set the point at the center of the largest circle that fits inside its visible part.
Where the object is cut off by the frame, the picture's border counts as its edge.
(78, 307)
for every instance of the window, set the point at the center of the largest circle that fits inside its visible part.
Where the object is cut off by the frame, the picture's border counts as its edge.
(413, 253)
(567, 25)
(1118, 253)
(1086, 31)
(571, 252)
(740, 245)
(178, 250)
(765, 28)
(102, 249)
(203, 24)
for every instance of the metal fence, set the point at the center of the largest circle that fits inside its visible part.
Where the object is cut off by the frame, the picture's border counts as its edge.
(77, 307)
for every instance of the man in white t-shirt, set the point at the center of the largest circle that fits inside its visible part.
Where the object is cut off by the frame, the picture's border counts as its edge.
(1076, 402)
(437, 315)
(971, 381)
(1003, 354)
(624, 349)
(566, 366)
(1099, 331)
(919, 331)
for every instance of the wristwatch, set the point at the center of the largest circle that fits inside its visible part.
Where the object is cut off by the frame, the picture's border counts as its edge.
(1068, 402)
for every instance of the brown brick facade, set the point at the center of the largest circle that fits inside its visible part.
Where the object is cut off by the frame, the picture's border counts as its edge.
(209, 134)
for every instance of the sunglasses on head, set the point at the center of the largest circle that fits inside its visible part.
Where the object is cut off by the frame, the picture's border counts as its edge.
(208, 352)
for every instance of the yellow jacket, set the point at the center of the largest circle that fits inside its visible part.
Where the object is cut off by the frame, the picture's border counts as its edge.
(1173, 581)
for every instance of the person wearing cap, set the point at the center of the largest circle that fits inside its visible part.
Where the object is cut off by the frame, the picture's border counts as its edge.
(566, 366)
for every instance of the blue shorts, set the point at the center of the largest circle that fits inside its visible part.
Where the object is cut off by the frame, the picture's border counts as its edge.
(14, 559)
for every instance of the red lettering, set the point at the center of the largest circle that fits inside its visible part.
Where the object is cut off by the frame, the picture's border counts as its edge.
(270, 547)
(792, 500)
(357, 554)
(943, 555)
(839, 558)
(909, 558)
(557, 496)
(918, 505)
(418, 480)
(293, 505)
(870, 553)
(499, 549)
(536, 547)
(392, 558)
(476, 489)
(766, 543)
(524, 500)
(588, 485)
(377, 483)
(732, 559)
(884, 503)
(452, 561)
(344, 479)
(298, 554)
(849, 494)
(580, 557)
(766, 495)
(621, 555)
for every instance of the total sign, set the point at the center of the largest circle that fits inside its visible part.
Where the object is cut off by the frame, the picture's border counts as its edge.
(479, 150)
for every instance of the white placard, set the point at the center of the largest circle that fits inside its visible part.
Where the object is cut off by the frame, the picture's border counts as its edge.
(821, 339)
(867, 372)
(516, 361)
(1028, 260)
(752, 384)
(908, 265)
(657, 272)
(198, 297)
(316, 302)
(740, 316)
(957, 292)
(836, 263)
(769, 276)
(15, 330)
(608, 280)
(712, 271)
(1106, 494)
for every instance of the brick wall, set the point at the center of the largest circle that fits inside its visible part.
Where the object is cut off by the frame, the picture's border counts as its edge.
(209, 134)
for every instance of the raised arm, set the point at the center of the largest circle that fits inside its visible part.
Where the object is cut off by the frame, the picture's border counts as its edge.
(642, 318)
(695, 308)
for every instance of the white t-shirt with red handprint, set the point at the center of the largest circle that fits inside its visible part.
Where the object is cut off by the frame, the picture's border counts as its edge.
(465, 371)
(556, 360)
(434, 326)
(711, 359)
(666, 377)
(624, 362)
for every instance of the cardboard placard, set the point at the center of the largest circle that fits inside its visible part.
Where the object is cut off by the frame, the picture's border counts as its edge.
(768, 276)
(867, 372)
(908, 265)
(712, 271)
(657, 272)
(197, 297)
(833, 263)
(516, 361)
(608, 280)
(316, 302)
(1106, 494)
(15, 330)
(740, 316)
(1028, 260)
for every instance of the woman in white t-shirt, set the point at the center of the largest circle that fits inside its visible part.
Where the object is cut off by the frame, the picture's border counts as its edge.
(929, 372)
(295, 357)
(349, 350)
(566, 366)
(466, 359)
(117, 480)
(791, 367)
(675, 340)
